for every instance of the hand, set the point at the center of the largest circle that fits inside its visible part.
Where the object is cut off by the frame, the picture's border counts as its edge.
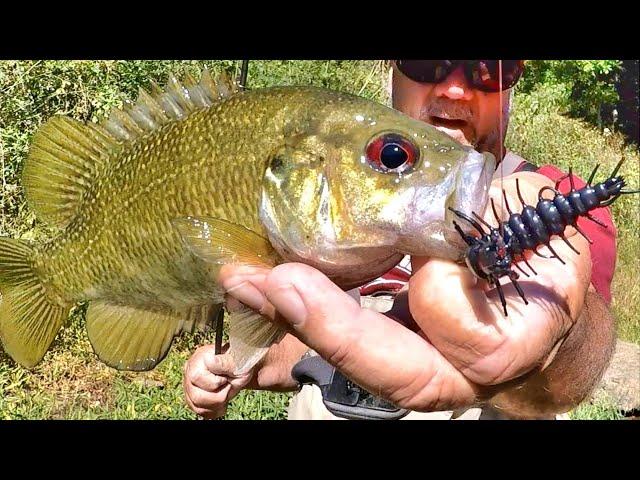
(465, 351)
(208, 382)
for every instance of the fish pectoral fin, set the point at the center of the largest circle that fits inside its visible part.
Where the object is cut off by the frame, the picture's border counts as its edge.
(222, 242)
(250, 337)
(129, 338)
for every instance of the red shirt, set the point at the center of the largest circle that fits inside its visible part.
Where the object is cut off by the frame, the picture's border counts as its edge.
(603, 248)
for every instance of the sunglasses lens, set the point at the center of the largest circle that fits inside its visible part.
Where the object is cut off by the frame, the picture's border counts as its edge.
(485, 74)
(425, 71)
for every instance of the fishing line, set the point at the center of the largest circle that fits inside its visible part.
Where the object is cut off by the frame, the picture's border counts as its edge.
(500, 139)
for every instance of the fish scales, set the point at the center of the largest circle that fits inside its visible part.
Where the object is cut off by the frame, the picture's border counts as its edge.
(133, 201)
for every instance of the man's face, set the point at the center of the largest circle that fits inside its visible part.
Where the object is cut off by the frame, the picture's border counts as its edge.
(468, 115)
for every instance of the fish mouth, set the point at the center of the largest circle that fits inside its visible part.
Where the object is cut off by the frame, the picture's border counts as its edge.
(472, 184)
(471, 191)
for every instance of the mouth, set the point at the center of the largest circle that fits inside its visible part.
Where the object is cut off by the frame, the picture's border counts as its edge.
(449, 123)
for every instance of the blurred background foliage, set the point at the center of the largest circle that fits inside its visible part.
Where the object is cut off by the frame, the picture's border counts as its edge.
(602, 92)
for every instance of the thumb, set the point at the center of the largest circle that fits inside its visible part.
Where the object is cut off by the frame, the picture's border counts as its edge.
(373, 350)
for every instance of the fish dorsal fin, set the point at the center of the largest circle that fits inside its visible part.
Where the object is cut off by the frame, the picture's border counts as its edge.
(175, 102)
(62, 160)
(65, 153)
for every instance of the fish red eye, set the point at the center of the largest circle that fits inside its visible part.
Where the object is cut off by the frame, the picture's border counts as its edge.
(391, 153)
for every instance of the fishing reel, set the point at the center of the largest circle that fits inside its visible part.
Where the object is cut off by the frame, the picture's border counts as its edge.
(342, 397)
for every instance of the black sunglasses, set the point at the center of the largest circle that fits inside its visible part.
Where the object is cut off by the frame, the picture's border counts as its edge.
(481, 74)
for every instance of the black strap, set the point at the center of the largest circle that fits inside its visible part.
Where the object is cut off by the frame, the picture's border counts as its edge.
(340, 395)
(527, 167)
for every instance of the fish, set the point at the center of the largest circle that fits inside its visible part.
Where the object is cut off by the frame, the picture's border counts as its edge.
(148, 204)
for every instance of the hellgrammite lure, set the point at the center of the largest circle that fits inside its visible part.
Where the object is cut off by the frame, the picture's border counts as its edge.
(490, 257)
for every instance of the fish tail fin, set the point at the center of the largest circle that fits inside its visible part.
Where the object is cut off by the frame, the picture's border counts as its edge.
(29, 320)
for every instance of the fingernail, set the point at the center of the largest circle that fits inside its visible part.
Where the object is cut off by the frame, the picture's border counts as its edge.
(246, 293)
(287, 301)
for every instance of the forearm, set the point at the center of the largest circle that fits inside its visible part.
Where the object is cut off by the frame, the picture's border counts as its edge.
(574, 371)
(274, 371)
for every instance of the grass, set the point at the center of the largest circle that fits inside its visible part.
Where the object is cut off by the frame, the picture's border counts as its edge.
(71, 383)
(601, 409)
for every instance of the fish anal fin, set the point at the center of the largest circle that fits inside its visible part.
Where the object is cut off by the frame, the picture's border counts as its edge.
(129, 338)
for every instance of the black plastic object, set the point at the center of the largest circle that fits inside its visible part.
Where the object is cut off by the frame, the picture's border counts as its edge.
(341, 396)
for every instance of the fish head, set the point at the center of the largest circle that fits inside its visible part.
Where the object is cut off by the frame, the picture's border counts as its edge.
(363, 185)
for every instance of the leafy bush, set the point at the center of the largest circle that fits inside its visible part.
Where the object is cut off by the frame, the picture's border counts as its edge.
(584, 88)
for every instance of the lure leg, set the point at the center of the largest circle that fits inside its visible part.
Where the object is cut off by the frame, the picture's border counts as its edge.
(519, 192)
(506, 202)
(573, 187)
(615, 170)
(593, 174)
(481, 220)
(567, 242)
(582, 233)
(513, 277)
(523, 272)
(501, 293)
(475, 224)
(467, 238)
(530, 267)
(594, 219)
(555, 254)
(495, 214)
(539, 254)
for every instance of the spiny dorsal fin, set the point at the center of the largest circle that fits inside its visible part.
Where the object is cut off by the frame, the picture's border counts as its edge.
(66, 153)
(173, 103)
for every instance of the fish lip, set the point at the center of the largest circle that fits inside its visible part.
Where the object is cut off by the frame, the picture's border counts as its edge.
(472, 185)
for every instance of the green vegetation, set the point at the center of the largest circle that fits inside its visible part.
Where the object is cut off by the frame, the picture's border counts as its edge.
(71, 383)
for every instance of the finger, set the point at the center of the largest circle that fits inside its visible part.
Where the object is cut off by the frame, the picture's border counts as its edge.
(223, 366)
(196, 373)
(246, 282)
(373, 350)
(206, 404)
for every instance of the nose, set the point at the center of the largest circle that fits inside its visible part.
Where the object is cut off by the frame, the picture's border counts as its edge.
(455, 86)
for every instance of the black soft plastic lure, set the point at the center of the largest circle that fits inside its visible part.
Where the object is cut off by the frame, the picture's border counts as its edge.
(490, 257)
